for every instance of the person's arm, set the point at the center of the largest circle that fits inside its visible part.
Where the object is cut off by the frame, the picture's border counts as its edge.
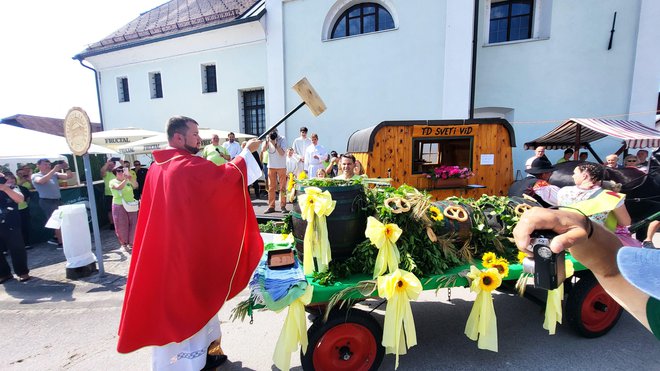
(622, 216)
(14, 194)
(67, 172)
(104, 168)
(596, 252)
(118, 185)
(254, 170)
(332, 163)
(43, 179)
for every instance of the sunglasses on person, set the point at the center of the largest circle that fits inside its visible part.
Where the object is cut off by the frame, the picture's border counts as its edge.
(631, 160)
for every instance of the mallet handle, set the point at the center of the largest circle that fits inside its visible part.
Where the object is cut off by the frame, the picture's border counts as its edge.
(265, 133)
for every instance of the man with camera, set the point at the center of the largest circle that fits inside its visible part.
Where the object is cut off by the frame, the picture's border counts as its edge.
(10, 233)
(628, 274)
(276, 170)
(46, 182)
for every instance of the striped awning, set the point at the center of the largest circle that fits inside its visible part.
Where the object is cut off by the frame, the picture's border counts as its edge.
(633, 133)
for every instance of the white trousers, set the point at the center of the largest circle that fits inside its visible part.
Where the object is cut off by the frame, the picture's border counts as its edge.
(188, 355)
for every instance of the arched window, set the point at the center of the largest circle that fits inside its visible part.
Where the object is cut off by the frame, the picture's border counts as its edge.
(362, 18)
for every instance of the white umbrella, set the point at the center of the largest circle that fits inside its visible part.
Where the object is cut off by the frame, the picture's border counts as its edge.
(117, 137)
(160, 141)
(17, 142)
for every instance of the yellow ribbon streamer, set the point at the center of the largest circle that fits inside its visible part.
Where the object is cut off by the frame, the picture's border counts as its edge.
(315, 206)
(482, 322)
(398, 288)
(553, 310)
(384, 236)
(293, 332)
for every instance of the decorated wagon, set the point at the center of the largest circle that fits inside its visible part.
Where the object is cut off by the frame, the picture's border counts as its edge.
(404, 242)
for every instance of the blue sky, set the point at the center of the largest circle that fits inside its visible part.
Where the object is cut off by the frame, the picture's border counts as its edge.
(39, 37)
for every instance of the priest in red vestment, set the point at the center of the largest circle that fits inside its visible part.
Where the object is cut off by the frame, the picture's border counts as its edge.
(180, 275)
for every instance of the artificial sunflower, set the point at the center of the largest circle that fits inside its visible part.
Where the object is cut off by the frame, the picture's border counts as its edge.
(302, 175)
(488, 259)
(436, 214)
(521, 257)
(502, 266)
(489, 280)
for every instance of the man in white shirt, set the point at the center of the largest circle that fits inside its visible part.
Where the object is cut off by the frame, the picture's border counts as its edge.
(539, 152)
(314, 156)
(232, 146)
(300, 144)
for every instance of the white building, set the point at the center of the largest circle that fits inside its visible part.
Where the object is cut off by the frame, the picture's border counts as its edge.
(547, 60)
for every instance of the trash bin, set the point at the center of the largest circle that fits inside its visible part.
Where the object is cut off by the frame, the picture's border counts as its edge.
(80, 261)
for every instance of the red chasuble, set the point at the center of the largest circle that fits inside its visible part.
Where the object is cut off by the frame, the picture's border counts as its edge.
(197, 244)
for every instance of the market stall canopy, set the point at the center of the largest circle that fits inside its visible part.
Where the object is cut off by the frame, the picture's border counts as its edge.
(159, 141)
(17, 142)
(117, 137)
(581, 132)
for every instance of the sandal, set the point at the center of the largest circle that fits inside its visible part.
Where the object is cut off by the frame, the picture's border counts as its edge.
(24, 277)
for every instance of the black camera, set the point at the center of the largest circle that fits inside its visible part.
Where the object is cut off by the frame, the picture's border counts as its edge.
(273, 135)
(548, 268)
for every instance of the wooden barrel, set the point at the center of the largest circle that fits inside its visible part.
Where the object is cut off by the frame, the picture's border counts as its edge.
(462, 229)
(346, 224)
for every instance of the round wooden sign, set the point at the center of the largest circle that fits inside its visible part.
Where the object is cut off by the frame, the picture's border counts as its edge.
(77, 131)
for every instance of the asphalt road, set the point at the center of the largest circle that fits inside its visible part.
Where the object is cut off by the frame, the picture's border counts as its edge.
(51, 323)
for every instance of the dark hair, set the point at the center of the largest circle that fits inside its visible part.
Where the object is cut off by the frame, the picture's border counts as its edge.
(231, 133)
(118, 169)
(569, 151)
(42, 160)
(303, 128)
(178, 124)
(348, 156)
(595, 171)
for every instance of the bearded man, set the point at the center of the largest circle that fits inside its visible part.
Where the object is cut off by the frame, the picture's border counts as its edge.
(180, 275)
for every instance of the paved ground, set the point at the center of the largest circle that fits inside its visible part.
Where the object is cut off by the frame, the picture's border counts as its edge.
(52, 323)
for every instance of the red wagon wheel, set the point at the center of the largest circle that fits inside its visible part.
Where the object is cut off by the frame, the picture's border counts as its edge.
(590, 310)
(347, 341)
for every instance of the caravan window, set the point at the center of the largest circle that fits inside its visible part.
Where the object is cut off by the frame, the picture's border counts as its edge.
(431, 152)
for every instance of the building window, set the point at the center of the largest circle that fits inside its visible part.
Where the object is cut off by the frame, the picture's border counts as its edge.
(156, 85)
(429, 153)
(209, 82)
(510, 20)
(122, 89)
(254, 112)
(362, 18)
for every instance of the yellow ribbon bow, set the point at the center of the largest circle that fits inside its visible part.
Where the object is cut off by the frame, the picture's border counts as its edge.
(482, 323)
(398, 288)
(293, 332)
(315, 206)
(384, 236)
(553, 311)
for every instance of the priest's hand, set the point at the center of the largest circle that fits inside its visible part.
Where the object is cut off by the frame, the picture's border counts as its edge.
(253, 144)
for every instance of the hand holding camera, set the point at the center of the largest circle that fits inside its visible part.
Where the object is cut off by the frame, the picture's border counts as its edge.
(548, 267)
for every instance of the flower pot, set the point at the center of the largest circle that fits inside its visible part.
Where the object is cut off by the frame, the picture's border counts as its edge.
(450, 183)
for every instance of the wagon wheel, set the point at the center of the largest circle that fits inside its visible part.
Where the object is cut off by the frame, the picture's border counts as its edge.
(590, 311)
(347, 341)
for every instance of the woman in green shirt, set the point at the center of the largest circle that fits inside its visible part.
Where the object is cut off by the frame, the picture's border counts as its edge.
(122, 189)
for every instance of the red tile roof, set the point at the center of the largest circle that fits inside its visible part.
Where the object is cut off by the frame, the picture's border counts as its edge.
(47, 125)
(172, 18)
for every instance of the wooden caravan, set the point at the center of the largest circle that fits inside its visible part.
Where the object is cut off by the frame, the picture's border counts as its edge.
(407, 151)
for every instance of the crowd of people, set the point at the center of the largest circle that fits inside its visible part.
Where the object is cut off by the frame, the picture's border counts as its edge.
(589, 194)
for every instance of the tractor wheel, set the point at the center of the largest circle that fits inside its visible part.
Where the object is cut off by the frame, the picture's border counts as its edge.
(349, 340)
(590, 311)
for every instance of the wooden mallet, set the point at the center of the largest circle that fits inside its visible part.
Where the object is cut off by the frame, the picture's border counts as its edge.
(309, 98)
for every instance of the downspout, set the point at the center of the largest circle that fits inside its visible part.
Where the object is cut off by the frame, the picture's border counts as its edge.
(98, 92)
(473, 72)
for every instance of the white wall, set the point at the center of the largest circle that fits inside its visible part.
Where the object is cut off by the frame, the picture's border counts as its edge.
(569, 74)
(238, 53)
(397, 74)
